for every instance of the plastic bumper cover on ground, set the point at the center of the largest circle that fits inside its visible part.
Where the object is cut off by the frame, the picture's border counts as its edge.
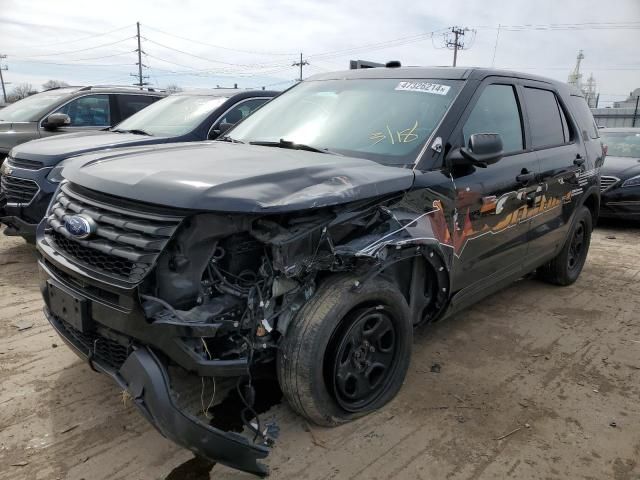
(145, 378)
(17, 226)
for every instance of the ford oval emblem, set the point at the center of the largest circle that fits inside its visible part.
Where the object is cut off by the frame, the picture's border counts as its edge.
(80, 226)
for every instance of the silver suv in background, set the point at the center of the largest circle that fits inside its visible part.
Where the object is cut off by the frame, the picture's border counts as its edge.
(69, 109)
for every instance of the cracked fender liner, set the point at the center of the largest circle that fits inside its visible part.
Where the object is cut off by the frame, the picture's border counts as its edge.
(146, 380)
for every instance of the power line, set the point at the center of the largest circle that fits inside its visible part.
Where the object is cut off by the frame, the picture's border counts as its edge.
(61, 64)
(209, 59)
(406, 40)
(253, 52)
(75, 59)
(567, 26)
(77, 39)
(200, 71)
(75, 51)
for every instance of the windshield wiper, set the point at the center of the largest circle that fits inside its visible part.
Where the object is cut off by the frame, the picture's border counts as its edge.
(294, 146)
(135, 131)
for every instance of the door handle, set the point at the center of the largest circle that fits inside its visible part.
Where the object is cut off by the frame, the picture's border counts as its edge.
(525, 177)
(578, 160)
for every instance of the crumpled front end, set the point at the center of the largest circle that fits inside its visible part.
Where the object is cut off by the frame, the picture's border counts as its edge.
(210, 296)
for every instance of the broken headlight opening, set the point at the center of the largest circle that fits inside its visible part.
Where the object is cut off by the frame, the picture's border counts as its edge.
(230, 277)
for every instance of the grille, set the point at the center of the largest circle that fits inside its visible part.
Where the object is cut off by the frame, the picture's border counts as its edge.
(126, 242)
(108, 263)
(607, 182)
(105, 350)
(26, 164)
(18, 190)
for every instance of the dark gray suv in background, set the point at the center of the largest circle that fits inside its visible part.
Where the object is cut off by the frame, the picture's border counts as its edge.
(32, 171)
(69, 109)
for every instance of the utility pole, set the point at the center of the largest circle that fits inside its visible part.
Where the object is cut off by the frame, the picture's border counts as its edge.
(300, 64)
(457, 43)
(139, 63)
(4, 92)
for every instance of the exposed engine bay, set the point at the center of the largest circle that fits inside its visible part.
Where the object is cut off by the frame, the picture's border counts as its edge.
(252, 274)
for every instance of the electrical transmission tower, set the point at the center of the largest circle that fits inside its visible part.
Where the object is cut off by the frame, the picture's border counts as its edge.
(454, 40)
(300, 64)
(5, 67)
(141, 83)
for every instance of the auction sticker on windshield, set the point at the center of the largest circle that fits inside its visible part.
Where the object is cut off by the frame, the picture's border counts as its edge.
(425, 87)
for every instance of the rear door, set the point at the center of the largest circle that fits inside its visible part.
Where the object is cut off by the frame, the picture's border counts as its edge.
(554, 138)
(490, 224)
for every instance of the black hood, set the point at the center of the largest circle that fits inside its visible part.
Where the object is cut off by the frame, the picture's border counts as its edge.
(621, 167)
(221, 176)
(52, 150)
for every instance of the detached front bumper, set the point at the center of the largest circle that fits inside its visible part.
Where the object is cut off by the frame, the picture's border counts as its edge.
(144, 376)
(16, 226)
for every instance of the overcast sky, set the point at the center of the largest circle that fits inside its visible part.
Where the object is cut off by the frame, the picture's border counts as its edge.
(254, 42)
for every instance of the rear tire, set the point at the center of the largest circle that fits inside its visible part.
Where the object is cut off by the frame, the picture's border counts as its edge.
(347, 352)
(566, 267)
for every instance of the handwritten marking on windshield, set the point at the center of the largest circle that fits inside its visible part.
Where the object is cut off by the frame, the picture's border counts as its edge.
(407, 135)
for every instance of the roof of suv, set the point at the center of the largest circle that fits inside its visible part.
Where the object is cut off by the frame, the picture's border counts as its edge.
(108, 89)
(226, 92)
(449, 73)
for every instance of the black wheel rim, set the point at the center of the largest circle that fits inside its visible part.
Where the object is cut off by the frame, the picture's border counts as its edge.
(364, 358)
(577, 247)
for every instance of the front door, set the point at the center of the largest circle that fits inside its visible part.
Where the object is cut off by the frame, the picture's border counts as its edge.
(490, 220)
(89, 112)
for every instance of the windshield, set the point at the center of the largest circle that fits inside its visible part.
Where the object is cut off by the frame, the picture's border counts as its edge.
(385, 120)
(621, 144)
(30, 109)
(172, 116)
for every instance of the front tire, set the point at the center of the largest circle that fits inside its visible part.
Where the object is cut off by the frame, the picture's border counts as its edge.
(566, 267)
(347, 352)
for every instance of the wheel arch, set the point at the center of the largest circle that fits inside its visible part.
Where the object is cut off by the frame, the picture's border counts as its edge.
(420, 271)
(591, 200)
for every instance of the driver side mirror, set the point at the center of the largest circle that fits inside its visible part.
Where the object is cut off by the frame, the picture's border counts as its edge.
(482, 150)
(56, 120)
(220, 130)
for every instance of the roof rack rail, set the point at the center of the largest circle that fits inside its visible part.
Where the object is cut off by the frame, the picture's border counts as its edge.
(62, 86)
(124, 87)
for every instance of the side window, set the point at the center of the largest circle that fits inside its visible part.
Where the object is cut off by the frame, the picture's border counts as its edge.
(88, 111)
(497, 111)
(544, 117)
(584, 118)
(130, 104)
(242, 110)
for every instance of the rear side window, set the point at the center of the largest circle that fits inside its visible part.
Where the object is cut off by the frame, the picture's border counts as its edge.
(496, 112)
(130, 104)
(584, 118)
(545, 117)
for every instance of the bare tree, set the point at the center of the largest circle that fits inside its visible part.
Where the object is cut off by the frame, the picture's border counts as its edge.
(21, 91)
(173, 88)
(49, 84)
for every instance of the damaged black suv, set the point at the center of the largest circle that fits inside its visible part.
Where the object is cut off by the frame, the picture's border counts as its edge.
(306, 245)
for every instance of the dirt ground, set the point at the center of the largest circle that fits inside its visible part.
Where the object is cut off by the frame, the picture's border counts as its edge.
(535, 382)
